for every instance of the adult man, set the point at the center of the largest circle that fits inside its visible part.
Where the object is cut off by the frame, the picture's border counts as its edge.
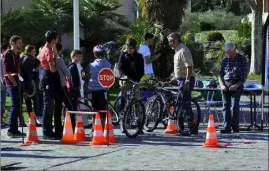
(232, 75)
(4, 47)
(145, 51)
(12, 70)
(49, 83)
(183, 69)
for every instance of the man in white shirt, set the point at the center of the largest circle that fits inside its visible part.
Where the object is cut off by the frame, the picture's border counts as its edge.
(145, 51)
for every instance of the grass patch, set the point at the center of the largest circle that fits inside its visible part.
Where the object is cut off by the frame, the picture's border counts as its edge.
(254, 77)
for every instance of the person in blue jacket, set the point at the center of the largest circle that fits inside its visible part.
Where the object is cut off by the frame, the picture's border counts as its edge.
(97, 92)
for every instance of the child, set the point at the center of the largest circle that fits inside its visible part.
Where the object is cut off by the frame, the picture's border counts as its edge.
(98, 93)
(76, 56)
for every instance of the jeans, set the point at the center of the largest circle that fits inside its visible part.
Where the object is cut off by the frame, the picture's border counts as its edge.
(33, 101)
(63, 96)
(47, 113)
(15, 109)
(186, 96)
(231, 97)
(3, 102)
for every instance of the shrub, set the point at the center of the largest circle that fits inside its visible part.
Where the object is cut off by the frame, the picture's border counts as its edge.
(219, 20)
(188, 37)
(229, 35)
(215, 36)
(244, 30)
(197, 51)
(204, 26)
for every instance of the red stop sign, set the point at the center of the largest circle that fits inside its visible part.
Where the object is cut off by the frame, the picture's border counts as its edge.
(106, 77)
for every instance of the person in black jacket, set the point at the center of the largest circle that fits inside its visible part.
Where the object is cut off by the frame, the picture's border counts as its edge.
(76, 56)
(131, 65)
(29, 71)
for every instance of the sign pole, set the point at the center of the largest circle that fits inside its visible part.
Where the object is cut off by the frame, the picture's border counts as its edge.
(107, 124)
(106, 79)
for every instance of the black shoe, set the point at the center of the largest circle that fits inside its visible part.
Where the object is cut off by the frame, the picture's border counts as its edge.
(225, 131)
(141, 132)
(23, 125)
(58, 136)
(16, 134)
(195, 132)
(38, 125)
(48, 136)
(235, 130)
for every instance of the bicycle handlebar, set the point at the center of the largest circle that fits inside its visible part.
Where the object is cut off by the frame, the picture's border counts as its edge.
(128, 80)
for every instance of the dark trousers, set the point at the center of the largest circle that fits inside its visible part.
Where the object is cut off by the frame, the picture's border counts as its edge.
(33, 102)
(231, 119)
(15, 109)
(47, 113)
(51, 86)
(62, 96)
(186, 96)
(99, 101)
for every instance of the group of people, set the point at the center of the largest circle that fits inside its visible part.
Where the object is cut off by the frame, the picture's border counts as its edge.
(46, 82)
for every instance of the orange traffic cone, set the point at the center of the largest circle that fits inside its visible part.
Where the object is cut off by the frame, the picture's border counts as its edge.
(32, 133)
(98, 137)
(171, 127)
(211, 136)
(109, 133)
(68, 135)
(79, 130)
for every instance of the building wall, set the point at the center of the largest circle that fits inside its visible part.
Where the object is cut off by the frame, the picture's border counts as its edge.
(14, 4)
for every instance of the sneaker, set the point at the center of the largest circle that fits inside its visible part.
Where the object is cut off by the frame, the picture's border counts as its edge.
(4, 125)
(16, 134)
(39, 120)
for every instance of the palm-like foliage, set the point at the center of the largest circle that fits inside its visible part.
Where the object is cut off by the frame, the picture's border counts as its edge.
(166, 13)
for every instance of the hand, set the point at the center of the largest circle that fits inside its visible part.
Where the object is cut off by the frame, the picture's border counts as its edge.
(80, 98)
(15, 84)
(54, 50)
(233, 87)
(224, 88)
(186, 86)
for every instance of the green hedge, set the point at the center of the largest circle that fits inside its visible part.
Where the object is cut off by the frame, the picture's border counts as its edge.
(197, 51)
(244, 30)
(215, 36)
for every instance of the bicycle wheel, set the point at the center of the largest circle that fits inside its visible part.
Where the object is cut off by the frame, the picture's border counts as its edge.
(153, 113)
(114, 115)
(188, 118)
(134, 119)
(85, 107)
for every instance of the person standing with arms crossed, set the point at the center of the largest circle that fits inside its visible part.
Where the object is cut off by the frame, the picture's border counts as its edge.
(12, 74)
(183, 71)
(49, 83)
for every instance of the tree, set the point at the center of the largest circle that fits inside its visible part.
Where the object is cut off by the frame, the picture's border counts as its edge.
(166, 16)
(201, 5)
(256, 36)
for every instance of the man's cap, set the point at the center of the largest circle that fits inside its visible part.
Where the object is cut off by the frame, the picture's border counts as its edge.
(229, 46)
(173, 36)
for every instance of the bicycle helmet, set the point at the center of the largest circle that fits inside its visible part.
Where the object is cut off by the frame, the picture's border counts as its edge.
(212, 84)
(99, 48)
(199, 84)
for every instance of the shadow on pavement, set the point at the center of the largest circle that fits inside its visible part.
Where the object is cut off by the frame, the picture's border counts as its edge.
(20, 149)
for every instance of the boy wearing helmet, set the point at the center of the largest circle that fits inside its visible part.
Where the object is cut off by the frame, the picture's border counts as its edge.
(97, 92)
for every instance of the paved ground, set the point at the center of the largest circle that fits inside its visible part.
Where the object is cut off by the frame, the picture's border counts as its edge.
(152, 151)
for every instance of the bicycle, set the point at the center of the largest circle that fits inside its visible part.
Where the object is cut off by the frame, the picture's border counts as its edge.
(168, 104)
(132, 112)
(86, 107)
